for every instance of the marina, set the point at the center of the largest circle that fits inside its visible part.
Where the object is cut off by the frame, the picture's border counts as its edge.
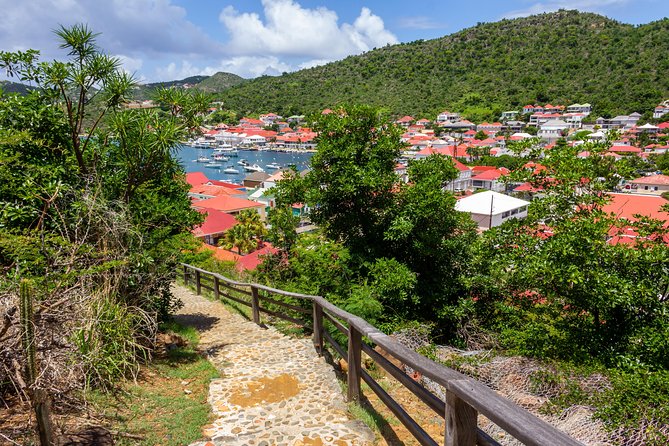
(233, 166)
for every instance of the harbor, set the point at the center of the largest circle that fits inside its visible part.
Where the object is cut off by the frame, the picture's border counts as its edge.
(232, 167)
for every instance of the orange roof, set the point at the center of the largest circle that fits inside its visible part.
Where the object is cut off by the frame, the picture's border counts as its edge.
(655, 180)
(628, 205)
(196, 178)
(216, 222)
(214, 190)
(626, 149)
(226, 203)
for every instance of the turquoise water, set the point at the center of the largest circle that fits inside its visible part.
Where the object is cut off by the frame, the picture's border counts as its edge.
(188, 157)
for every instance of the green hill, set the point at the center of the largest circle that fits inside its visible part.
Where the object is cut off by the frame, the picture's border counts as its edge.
(14, 87)
(209, 84)
(219, 82)
(561, 57)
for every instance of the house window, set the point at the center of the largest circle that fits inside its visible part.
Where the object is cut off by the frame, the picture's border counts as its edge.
(514, 211)
(506, 214)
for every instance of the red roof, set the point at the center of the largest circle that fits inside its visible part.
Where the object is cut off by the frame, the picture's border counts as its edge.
(226, 203)
(628, 205)
(527, 187)
(458, 165)
(479, 169)
(226, 184)
(655, 180)
(212, 190)
(663, 125)
(251, 261)
(405, 119)
(488, 175)
(624, 149)
(215, 222)
(196, 178)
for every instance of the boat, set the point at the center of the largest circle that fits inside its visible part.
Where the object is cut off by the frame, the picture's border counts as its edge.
(253, 168)
(273, 166)
(243, 163)
(213, 165)
(227, 150)
(219, 157)
(203, 159)
(230, 170)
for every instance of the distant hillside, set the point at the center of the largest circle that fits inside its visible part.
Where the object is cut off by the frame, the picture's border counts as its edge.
(219, 82)
(209, 84)
(14, 87)
(561, 57)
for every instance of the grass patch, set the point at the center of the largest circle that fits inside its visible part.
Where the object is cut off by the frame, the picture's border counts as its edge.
(168, 403)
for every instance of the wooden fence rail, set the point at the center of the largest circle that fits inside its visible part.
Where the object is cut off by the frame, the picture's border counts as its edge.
(465, 396)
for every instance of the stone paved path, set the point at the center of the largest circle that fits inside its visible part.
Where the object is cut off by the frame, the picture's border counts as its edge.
(275, 390)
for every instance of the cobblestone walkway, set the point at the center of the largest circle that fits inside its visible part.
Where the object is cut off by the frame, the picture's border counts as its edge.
(275, 390)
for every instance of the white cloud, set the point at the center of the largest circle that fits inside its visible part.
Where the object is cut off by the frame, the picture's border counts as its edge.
(420, 22)
(289, 29)
(127, 27)
(554, 5)
(313, 63)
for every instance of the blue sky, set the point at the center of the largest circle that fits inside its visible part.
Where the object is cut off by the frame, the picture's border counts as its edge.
(172, 39)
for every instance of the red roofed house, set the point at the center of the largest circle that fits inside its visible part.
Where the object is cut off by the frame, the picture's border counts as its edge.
(196, 178)
(489, 179)
(230, 205)
(627, 206)
(464, 179)
(215, 224)
(405, 121)
(208, 190)
(624, 149)
(654, 184)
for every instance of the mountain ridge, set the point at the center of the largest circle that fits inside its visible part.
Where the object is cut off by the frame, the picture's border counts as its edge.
(562, 57)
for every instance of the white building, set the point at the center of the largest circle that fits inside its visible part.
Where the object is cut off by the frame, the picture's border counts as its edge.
(489, 209)
(580, 108)
(553, 129)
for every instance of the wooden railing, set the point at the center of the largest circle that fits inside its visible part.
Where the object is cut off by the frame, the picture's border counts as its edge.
(465, 397)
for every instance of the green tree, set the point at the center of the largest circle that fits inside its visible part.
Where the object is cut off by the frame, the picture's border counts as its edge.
(584, 295)
(92, 201)
(352, 178)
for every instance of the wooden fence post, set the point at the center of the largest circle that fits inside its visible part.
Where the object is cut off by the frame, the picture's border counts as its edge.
(460, 422)
(185, 275)
(318, 327)
(198, 285)
(255, 305)
(354, 363)
(217, 293)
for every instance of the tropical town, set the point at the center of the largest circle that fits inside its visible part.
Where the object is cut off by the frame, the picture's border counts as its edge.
(290, 223)
(462, 141)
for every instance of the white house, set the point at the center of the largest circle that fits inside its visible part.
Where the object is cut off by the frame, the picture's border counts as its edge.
(489, 209)
(553, 129)
(447, 116)
(661, 110)
(580, 108)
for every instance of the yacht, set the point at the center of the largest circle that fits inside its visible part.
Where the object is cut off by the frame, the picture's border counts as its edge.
(253, 168)
(230, 170)
(203, 159)
(213, 165)
(273, 166)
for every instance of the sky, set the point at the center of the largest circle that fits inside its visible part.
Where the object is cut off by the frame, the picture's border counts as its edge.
(160, 40)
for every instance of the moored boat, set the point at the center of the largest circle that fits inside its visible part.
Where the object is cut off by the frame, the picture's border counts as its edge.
(253, 168)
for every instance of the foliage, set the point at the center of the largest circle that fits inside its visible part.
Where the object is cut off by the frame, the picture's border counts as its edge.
(400, 249)
(556, 283)
(483, 70)
(247, 234)
(92, 201)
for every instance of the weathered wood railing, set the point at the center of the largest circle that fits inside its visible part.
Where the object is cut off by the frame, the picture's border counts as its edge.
(465, 397)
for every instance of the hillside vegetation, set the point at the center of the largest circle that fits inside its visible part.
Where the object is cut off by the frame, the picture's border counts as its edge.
(209, 84)
(561, 57)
